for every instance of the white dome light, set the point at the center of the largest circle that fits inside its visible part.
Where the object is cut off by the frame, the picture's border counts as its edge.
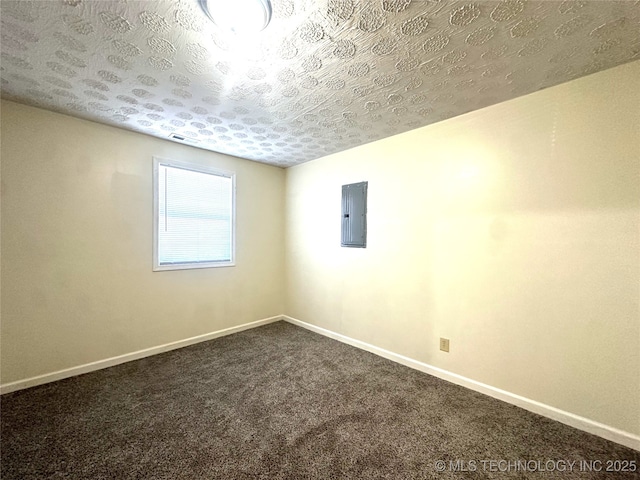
(238, 15)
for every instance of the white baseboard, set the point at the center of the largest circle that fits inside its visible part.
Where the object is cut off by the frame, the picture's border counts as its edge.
(128, 357)
(605, 431)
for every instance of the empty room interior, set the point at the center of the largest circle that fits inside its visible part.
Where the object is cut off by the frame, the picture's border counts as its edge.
(320, 239)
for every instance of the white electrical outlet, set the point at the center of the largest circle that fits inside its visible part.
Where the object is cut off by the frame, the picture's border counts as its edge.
(444, 344)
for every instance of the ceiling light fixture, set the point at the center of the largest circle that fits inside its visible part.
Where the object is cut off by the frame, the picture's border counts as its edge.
(241, 16)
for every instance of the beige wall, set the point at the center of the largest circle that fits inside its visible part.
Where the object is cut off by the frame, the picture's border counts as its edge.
(513, 231)
(77, 284)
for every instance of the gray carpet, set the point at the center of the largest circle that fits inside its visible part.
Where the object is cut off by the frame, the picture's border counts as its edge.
(281, 402)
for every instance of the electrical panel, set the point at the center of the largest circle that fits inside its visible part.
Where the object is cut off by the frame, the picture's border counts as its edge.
(354, 215)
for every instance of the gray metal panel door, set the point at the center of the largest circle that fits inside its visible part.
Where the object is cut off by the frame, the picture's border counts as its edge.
(354, 215)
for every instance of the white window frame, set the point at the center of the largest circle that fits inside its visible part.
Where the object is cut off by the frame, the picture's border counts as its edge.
(157, 161)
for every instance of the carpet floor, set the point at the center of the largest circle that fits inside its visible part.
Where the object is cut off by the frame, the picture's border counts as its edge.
(284, 403)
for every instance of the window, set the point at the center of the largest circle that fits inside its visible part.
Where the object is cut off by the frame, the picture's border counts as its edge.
(193, 214)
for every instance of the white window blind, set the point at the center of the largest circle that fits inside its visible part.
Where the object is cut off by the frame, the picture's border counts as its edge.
(194, 210)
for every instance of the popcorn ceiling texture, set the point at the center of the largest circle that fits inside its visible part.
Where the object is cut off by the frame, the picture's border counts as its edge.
(323, 77)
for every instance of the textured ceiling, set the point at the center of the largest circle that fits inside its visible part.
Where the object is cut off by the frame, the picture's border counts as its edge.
(324, 76)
